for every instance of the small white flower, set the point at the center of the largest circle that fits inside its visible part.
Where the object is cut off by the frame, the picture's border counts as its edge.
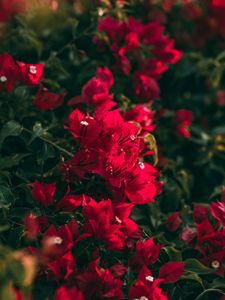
(118, 219)
(33, 70)
(142, 166)
(3, 79)
(54, 240)
(149, 278)
(215, 264)
(85, 123)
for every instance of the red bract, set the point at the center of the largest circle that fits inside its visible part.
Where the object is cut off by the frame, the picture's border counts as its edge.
(146, 253)
(188, 235)
(142, 115)
(72, 293)
(45, 100)
(10, 8)
(61, 268)
(146, 287)
(43, 193)
(30, 74)
(173, 222)
(200, 213)
(8, 73)
(141, 186)
(84, 129)
(146, 88)
(31, 226)
(99, 283)
(183, 119)
(69, 202)
(101, 223)
(55, 243)
(96, 91)
(171, 272)
(218, 209)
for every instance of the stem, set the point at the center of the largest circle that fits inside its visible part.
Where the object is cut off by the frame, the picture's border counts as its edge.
(209, 290)
(51, 143)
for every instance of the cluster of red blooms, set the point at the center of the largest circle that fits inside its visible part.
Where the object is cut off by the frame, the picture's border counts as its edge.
(13, 72)
(138, 45)
(110, 146)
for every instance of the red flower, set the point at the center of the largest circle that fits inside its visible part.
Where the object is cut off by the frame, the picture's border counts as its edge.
(43, 193)
(105, 75)
(72, 293)
(173, 222)
(150, 33)
(140, 186)
(218, 3)
(56, 243)
(183, 119)
(99, 283)
(69, 202)
(31, 226)
(61, 268)
(146, 89)
(220, 98)
(146, 287)
(101, 223)
(84, 129)
(218, 209)
(171, 271)
(146, 253)
(45, 100)
(200, 213)
(8, 73)
(9, 8)
(142, 115)
(30, 74)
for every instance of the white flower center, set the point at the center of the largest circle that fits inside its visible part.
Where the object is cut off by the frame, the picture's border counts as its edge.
(54, 240)
(85, 123)
(118, 219)
(215, 264)
(149, 278)
(33, 70)
(142, 166)
(3, 79)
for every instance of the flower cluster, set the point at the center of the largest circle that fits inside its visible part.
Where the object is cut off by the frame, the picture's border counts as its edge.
(139, 46)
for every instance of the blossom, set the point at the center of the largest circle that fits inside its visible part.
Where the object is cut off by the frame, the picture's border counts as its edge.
(146, 253)
(218, 209)
(43, 193)
(8, 73)
(45, 100)
(31, 226)
(173, 222)
(64, 293)
(171, 271)
(99, 283)
(30, 74)
(146, 88)
(10, 8)
(182, 120)
(146, 287)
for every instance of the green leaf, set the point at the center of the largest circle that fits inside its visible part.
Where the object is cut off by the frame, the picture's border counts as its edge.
(192, 276)
(11, 128)
(193, 265)
(174, 254)
(11, 161)
(6, 197)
